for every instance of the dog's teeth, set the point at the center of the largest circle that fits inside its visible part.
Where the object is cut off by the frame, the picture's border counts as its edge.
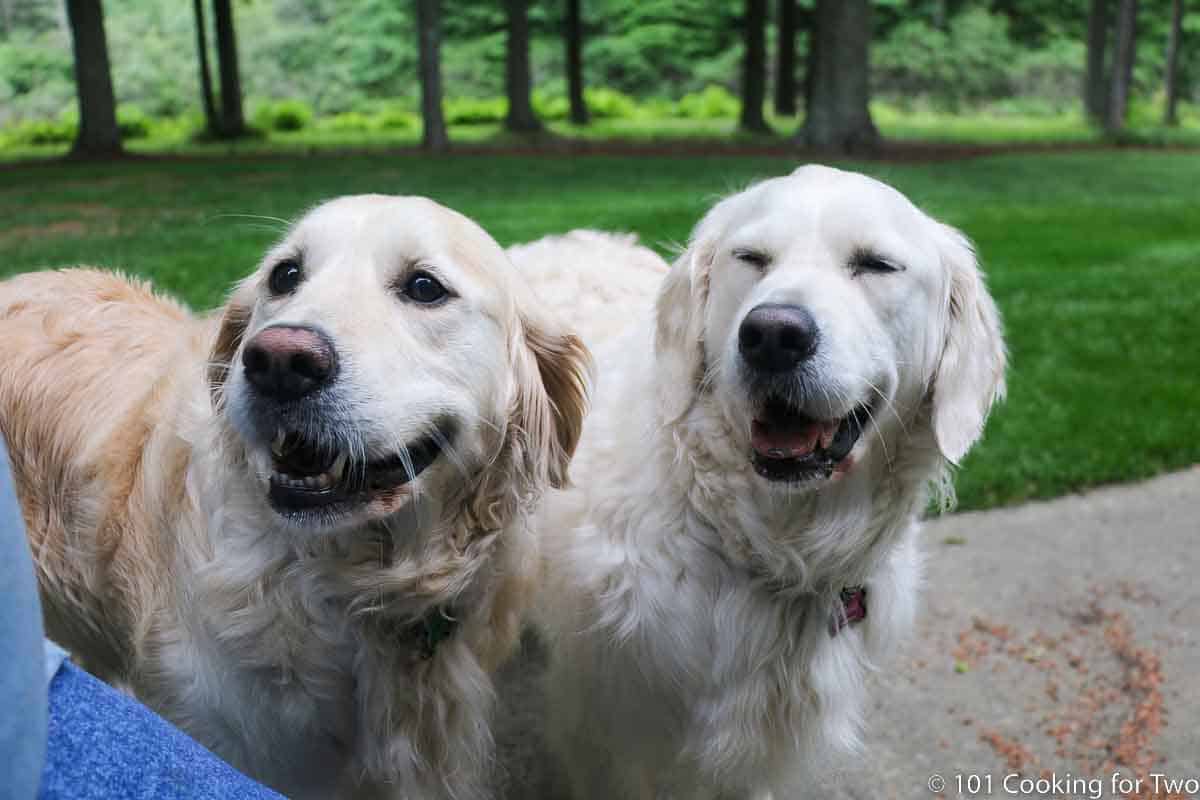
(310, 482)
(339, 467)
(277, 445)
(324, 480)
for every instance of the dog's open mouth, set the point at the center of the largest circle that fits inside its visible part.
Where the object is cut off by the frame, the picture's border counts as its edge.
(307, 476)
(788, 445)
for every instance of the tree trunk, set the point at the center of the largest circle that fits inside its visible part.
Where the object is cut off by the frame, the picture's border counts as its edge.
(1096, 80)
(838, 84)
(1122, 69)
(1171, 113)
(206, 89)
(98, 135)
(233, 121)
(517, 80)
(429, 45)
(754, 68)
(785, 60)
(574, 45)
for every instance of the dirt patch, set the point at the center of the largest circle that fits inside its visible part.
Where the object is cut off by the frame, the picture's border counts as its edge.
(68, 227)
(1094, 691)
(89, 210)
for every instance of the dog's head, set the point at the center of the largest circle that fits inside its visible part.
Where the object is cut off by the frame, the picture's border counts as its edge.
(821, 312)
(385, 350)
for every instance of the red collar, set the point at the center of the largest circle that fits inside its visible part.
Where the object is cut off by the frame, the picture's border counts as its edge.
(853, 610)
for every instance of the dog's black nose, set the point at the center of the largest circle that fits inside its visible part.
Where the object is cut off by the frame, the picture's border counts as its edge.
(776, 338)
(287, 362)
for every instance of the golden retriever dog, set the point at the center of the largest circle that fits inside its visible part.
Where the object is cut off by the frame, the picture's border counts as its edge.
(298, 529)
(740, 545)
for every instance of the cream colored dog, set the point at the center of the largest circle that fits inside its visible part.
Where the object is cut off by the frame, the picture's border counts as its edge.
(740, 546)
(298, 529)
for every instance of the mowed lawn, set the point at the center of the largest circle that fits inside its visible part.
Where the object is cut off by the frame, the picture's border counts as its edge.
(1093, 257)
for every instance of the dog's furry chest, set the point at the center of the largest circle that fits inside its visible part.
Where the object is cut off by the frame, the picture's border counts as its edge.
(746, 662)
(703, 666)
(290, 684)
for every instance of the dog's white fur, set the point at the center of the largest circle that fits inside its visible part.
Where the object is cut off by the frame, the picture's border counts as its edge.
(688, 600)
(285, 646)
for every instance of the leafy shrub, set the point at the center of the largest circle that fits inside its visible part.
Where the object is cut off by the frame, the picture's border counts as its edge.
(28, 66)
(968, 63)
(42, 131)
(395, 119)
(348, 122)
(179, 127)
(133, 122)
(714, 102)
(283, 115)
(1052, 73)
(609, 104)
(551, 107)
(384, 118)
(474, 111)
(657, 108)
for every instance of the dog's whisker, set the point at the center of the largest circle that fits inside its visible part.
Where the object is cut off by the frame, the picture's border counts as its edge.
(451, 454)
(279, 223)
(888, 405)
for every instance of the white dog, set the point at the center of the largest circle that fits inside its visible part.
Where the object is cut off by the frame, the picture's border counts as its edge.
(740, 546)
(299, 529)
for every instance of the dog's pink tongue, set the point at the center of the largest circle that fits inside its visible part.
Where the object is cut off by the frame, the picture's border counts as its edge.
(790, 438)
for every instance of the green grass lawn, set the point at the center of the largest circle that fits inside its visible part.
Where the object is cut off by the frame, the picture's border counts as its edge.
(1093, 257)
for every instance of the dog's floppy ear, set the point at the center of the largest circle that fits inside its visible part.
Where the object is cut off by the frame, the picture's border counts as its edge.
(551, 369)
(679, 329)
(970, 373)
(552, 395)
(231, 327)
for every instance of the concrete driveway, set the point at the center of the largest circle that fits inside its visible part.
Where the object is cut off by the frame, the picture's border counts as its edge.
(1059, 642)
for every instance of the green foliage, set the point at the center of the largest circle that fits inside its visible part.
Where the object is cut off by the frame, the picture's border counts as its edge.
(551, 107)
(609, 104)
(283, 115)
(714, 102)
(133, 122)
(396, 119)
(473, 110)
(656, 46)
(1052, 74)
(348, 122)
(26, 67)
(383, 119)
(37, 79)
(341, 56)
(965, 64)
(41, 132)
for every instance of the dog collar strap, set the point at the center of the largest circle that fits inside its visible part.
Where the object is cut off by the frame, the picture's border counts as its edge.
(852, 610)
(437, 626)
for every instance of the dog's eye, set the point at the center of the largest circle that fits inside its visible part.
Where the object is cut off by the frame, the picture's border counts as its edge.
(755, 258)
(285, 277)
(867, 261)
(423, 288)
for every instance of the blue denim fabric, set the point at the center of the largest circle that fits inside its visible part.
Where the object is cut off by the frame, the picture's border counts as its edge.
(95, 743)
(22, 657)
(104, 745)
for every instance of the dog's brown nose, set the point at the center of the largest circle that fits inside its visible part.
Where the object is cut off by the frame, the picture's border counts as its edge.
(287, 362)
